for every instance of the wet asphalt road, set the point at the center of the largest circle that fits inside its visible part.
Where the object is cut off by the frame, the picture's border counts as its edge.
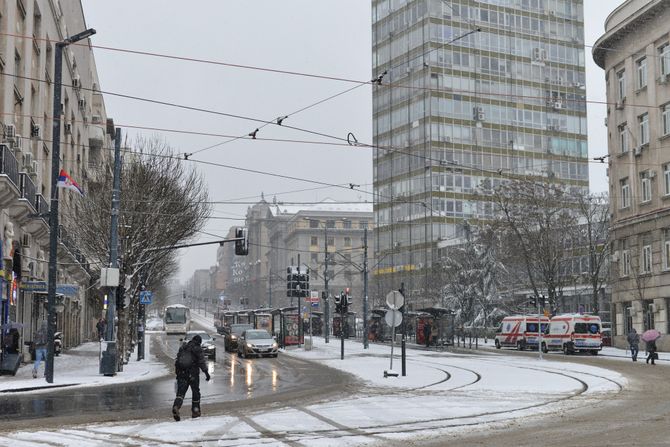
(234, 379)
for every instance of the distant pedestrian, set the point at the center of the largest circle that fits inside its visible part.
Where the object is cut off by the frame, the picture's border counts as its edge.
(426, 332)
(634, 343)
(40, 341)
(190, 360)
(651, 351)
(101, 326)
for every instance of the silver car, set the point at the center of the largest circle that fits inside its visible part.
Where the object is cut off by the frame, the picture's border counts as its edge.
(257, 342)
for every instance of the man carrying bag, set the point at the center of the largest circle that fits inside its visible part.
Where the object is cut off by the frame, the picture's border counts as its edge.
(190, 360)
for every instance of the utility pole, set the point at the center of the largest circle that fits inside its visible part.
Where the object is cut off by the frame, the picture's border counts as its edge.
(365, 289)
(270, 288)
(402, 344)
(326, 304)
(299, 305)
(53, 210)
(109, 359)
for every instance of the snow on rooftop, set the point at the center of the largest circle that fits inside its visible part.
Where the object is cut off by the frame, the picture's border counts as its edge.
(327, 205)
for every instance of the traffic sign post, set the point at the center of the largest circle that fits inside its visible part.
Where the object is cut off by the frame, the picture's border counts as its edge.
(146, 297)
(393, 318)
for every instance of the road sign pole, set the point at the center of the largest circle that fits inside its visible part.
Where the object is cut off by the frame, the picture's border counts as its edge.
(403, 356)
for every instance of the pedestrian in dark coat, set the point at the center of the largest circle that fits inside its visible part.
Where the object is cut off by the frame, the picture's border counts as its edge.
(634, 343)
(426, 332)
(101, 326)
(190, 376)
(651, 351)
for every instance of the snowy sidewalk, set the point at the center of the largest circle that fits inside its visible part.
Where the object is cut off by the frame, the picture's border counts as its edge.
(79, 367)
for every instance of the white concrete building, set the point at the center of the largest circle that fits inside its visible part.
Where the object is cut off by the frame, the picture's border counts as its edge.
(28, 32)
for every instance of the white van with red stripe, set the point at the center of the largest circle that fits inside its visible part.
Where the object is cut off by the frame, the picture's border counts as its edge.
(519, 331)
(572, 333)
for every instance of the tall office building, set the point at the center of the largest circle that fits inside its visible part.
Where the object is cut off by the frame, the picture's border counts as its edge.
(470, 93)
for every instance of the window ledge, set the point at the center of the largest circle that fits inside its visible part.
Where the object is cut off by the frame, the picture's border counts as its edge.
(621, 154)
(645, 202)
(665, 197)
(641, 89)
(664, 137)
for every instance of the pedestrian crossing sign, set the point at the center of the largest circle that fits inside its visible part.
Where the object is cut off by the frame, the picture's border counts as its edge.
(145, 297)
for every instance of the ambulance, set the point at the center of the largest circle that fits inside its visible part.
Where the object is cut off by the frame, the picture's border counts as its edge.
(519, 331)
(572, 333)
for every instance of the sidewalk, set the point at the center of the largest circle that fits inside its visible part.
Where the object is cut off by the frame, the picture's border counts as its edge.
(79, 367)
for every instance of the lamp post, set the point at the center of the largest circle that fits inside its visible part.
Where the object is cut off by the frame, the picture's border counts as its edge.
(53, 214)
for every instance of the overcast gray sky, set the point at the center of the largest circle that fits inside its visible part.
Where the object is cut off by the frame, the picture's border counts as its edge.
(324, 37)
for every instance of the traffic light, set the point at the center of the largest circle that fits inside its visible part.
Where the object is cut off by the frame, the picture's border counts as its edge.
(532, 300)
(242, 242)
(120, 297)
(291, 282)
(338, 303)
(303, 282)
(348, 297)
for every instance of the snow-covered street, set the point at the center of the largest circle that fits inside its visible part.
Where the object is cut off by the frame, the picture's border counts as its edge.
(443, 393)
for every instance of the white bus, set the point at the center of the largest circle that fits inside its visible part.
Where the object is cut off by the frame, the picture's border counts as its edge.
(177, 319)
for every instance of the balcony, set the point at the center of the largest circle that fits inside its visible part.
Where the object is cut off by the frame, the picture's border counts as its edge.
(27, 187)
(8, 165)
(42, 206)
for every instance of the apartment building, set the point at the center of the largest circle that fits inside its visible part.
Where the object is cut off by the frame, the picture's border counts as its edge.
(635, 54)
(28, 31)
(468, 94)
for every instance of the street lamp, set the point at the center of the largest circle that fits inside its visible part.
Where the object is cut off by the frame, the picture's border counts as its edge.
(53, 214)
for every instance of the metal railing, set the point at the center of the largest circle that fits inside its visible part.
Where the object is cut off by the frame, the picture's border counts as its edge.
(8, 164)
(27, 188)
(42, 207)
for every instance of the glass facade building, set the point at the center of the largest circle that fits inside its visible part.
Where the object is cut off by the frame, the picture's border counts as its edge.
(472, 93)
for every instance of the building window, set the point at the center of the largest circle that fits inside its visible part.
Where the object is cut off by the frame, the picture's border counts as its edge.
(664, 52)
(346, 224)
(314, 223)
(621, 83)
(347, 242)
(314, 240)
(363, 224)
(665, 119)
(666, 178)
(314, 258)
(642, 73)
(644, 128)
(627, 317)
(331, 241)
(625, 193)
(645, 183)
(666, 250)
(623, 138)
(646, 259)
(625, 262)
(330, 223)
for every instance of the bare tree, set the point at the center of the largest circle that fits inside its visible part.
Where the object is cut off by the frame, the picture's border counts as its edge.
(163, 203)
(537, 220)
(592, 233)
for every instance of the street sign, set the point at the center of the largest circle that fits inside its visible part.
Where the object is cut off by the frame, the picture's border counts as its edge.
(395, 300)
(145, 297)
(393, 318)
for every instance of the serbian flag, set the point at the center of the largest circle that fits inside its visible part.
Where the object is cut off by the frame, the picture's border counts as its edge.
(65, 181)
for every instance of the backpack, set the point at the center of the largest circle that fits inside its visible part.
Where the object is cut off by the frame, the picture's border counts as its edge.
(184, 358)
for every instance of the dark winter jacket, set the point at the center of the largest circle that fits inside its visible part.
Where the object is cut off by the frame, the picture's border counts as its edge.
(198, 360)
(651, 346)
(633, 339)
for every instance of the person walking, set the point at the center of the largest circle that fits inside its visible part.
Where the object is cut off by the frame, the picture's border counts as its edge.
(101, 326)
(634, 343)
(651, 351)
(40, 341)
(190, 360)
(426, 332)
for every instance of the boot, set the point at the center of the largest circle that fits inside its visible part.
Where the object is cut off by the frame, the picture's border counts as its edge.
(195, 412)
(34, 374)
(175, 413)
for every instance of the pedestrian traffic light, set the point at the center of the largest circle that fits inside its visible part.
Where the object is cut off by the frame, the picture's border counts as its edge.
(120, 297)
(338, 303)
(241, 242)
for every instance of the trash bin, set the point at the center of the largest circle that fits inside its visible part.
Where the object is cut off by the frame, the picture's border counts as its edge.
(108, 356)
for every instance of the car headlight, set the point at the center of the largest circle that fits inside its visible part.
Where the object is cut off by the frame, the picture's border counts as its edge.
(249, 345)
(233, 337)
(275, 345)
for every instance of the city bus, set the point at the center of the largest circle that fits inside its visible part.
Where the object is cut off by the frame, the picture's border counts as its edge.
(177, 319)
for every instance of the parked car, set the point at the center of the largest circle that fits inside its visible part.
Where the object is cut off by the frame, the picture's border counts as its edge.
(232, 333)
(606, 336)
(257, 342)
(208, 346)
